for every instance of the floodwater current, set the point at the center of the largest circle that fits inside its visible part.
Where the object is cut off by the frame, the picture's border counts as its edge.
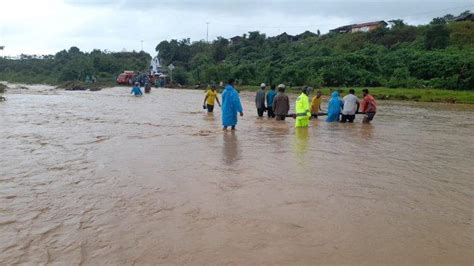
(94, 178)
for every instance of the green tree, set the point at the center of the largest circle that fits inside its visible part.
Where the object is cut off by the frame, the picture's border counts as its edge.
(437, 36)
(461, 33)
(180, 75)
(219, 49)
(399, 78)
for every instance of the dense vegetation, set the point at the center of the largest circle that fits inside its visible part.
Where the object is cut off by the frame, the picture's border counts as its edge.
(72, 65)
(438, 55)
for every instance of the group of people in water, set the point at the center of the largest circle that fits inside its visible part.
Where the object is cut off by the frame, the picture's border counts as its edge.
(137, 91)
(277, 105)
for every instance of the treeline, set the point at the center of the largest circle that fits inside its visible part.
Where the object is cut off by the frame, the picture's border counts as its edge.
(72, 65)
(438, 55)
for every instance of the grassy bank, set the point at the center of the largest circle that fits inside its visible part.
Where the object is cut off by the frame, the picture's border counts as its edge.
(380, 93)
(401, 94)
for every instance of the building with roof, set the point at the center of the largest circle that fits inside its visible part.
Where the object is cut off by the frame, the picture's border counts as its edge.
(465, 17)
(362, 27)
(287, 37)
(236, 39)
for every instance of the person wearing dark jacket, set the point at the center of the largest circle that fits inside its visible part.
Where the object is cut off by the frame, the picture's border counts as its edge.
(281, 103)
(260, 100)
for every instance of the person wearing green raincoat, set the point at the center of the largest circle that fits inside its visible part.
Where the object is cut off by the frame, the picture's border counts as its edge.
(303, 113)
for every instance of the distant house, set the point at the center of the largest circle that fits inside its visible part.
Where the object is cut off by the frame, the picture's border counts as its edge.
(306, 34)
(342, 29)
(363, 27)
(465, 17)
(287, 37)
(236, 39)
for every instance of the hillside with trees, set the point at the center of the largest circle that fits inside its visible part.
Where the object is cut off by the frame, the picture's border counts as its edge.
(72, 65)
(437, 55)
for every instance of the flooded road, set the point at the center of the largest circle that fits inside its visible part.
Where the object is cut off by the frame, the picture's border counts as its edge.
(102, 177)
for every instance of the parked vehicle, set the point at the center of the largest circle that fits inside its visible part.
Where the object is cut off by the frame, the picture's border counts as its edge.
(126, 78)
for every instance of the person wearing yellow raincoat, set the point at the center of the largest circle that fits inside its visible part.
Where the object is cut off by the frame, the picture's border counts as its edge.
(302, 109)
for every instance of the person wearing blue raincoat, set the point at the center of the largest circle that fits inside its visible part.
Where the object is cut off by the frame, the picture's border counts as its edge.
(230, 106)
(334, 107)
(136, 90)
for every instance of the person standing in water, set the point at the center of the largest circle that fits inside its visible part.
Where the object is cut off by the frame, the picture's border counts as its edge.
(303, 113)
(231, 105)
(270, 96)
(316, 103)
(334, 107)
(260, 100)
(350, 107)
(368, 106)
(281, 103)
(211, 98)
(136, 90)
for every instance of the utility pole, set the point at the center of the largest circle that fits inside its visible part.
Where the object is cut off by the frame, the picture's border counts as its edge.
(142, 44)
(207, 32)
(171, 67)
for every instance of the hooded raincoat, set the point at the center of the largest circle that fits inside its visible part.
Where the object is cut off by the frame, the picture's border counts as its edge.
(230, 106)
(334, 107)
(302, 111)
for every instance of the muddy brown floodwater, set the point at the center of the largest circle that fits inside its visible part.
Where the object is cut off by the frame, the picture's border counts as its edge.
(100, 178)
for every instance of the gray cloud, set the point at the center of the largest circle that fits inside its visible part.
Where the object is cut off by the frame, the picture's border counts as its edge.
(115, 25)
(298, 8)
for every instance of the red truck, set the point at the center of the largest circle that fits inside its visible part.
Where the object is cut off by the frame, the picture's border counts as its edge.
(126, 78)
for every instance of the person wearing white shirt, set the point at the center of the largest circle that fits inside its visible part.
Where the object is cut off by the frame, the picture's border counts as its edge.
(351, 105)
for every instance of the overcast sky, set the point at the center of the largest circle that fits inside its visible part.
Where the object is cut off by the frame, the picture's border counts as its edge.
(45, 27)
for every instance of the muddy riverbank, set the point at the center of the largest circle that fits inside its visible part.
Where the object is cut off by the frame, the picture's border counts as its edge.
(107, 178)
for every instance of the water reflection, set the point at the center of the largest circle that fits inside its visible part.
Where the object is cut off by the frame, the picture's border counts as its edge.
(212, 119)
(301, 142)
(281, 130)
(366, 131)
(230, 148)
